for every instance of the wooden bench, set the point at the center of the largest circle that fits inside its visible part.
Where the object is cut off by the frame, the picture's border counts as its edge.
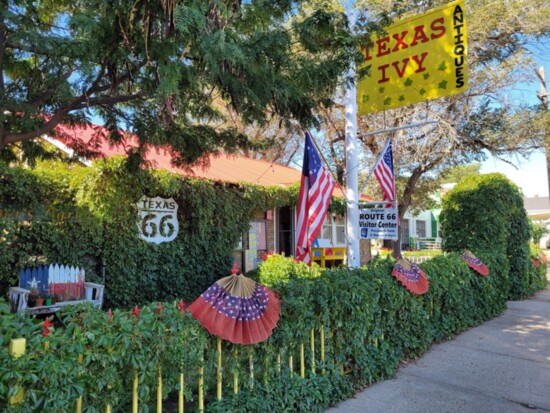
(67, 282)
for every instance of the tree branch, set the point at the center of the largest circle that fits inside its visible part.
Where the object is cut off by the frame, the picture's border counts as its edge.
(45, 128)
(57, 118)
(28, 48)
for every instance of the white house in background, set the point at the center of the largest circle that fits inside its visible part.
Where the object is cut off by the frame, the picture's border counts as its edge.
(421, 231)
(538, 209)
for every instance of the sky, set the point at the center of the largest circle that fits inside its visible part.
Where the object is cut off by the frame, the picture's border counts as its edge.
(531, 174)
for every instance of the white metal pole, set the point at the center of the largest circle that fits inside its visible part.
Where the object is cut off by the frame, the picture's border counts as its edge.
(352, 222)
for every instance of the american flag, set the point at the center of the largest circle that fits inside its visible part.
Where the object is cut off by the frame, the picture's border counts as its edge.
(383, 170)
(315, 193)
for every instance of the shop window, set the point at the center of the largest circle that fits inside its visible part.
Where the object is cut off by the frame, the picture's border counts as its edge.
(421, 229)
(334, 229)
(259, 228)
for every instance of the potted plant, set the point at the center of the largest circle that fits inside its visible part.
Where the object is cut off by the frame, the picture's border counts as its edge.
(47, 299)
(39, 301)
(34, 294)
(55, 298)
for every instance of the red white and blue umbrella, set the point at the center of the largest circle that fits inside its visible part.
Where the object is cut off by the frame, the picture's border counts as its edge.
(411, 276)
(238, 309)
(475, 263)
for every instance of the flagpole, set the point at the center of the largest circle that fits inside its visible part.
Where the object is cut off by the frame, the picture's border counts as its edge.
(352, 197)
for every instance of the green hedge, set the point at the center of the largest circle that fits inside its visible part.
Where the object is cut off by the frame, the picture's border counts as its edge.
(374, 324)
(485, 214)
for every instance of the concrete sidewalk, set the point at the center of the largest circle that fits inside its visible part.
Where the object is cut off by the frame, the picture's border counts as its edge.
(502, 366)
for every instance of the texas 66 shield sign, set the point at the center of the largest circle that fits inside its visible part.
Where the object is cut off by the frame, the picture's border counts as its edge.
(157, 219)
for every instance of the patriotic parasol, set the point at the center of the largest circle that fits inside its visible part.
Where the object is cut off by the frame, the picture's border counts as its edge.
(475, 263)
(411, 276)
(238, 309)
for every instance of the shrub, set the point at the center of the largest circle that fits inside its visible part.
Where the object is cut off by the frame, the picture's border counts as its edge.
(485, 214)
(278, 269)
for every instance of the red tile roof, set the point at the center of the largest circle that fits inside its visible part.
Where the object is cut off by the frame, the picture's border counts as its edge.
(226, 168)
(222, 168)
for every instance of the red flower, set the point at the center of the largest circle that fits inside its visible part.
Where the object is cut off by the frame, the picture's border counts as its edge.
(136, 312)
(47, 324)
(234, 270)
(181, 306)
(159, 309)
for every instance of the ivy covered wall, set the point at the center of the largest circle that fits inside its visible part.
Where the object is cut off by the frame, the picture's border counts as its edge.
(104, 237)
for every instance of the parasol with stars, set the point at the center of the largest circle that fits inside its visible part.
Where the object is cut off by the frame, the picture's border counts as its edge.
(411, 276)
(238, 309)
(475, 263)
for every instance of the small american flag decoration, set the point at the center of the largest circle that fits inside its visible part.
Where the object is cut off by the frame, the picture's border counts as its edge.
(238, 309)
(411, 276)
(475, 263)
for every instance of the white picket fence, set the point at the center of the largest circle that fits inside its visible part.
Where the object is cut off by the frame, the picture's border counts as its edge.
(419, 259)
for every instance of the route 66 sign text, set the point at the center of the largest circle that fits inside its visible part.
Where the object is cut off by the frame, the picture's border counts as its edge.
(157, 219)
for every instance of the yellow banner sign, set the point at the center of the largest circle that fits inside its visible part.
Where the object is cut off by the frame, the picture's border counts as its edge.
(419, 58)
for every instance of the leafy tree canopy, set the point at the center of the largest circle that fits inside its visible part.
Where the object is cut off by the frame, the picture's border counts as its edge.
(155, 68)
(456, 174)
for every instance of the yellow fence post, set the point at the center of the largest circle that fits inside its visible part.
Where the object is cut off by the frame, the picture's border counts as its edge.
(291, 365)
(279, 363)
(251, 365)
(219, 375)
(47, 324)
(181, 405)
(236, 372)
(159, 391)
(17, 349)
(312, 351)
(180, 396)
(322, 339)
(79, 400)
(302, 362)
(135, 394)
(201, 386)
